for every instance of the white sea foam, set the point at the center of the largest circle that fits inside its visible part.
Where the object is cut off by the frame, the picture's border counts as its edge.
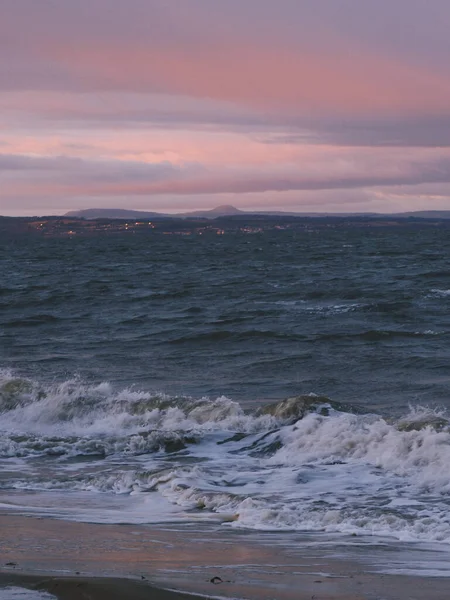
(424, 455)
(312, 467)
(73, 408)
(320, 308)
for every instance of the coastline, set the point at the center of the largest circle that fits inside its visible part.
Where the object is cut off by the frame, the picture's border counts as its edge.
(89, 588)
(108, 588)
(74, 560)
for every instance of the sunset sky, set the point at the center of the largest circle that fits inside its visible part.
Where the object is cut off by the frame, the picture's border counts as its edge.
(172, 105)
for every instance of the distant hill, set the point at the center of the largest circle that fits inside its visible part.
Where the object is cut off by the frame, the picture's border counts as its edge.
(113, 213)
(231, 211)
(120, 213)
(226, 210)
(425, 214)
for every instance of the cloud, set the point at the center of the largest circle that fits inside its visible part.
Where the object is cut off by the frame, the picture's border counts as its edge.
(250, 98)
(426, 132)
(121, 111)
(68, 177)
(186, 50)
(71, 171)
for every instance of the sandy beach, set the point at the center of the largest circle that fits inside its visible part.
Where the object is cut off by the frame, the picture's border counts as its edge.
(86, 561)
(89, 588)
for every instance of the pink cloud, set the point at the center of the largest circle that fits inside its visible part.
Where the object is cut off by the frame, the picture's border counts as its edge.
(61, 176)
(231, 98)
(264, 78)
(303, 68)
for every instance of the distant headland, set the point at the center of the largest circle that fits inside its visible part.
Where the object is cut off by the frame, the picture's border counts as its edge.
(230, 211)
(223, 220)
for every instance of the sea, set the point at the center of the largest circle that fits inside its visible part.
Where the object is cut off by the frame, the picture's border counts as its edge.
(283, 381)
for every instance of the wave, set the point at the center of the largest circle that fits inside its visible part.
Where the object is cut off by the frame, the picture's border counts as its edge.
(304, 463)
(375, 335)
(76, 408)
(32, 321)
(217, 336)
(329, 308)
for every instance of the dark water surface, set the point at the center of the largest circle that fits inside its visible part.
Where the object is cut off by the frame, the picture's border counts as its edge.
(359, 315)
(134, 372)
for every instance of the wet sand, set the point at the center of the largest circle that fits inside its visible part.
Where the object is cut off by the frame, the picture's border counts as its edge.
(107, 588)
(90, 588)
(98, 562)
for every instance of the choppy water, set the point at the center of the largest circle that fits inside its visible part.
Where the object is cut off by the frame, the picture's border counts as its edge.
(137, 373)
(18, 593)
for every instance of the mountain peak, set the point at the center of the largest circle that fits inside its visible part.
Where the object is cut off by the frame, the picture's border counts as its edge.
(226, 209)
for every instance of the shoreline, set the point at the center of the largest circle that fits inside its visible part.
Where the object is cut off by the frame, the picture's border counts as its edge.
(82, 561)
(90, 588)
(80, 587)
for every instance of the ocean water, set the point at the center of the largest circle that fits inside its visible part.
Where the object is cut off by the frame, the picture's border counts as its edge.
(18, 593)
(285, 381)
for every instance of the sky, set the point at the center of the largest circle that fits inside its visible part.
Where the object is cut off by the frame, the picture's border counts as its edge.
(177, 105)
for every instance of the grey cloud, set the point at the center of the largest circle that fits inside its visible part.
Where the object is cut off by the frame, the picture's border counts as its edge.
(428, 132)
(414, 32)
(119, 177)
(157, 111)
(115, 110)
(77, 170)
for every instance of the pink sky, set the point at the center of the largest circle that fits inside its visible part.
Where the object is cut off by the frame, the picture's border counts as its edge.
(315, 105)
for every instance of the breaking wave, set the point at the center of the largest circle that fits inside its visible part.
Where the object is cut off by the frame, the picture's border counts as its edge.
(305, 463)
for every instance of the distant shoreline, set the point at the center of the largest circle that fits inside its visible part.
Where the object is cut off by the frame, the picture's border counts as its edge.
(66, 226)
